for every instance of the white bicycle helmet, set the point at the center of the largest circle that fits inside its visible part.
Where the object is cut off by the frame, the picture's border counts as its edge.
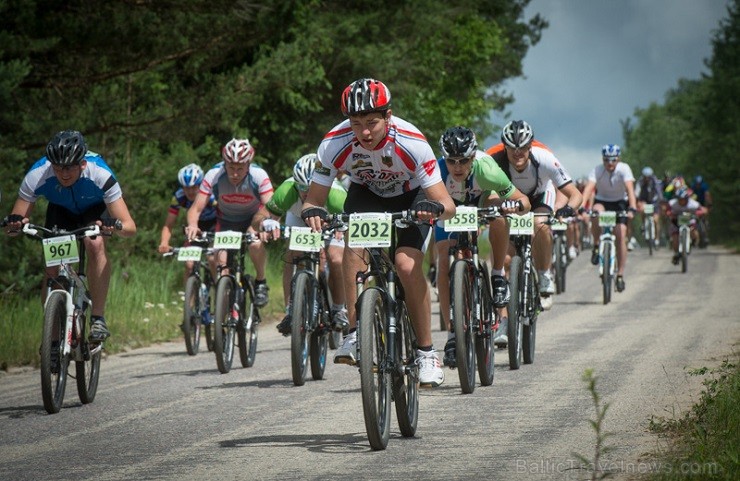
(303, 170)
(190, 175)
(647, 171)
(238, 151)
(517, 134)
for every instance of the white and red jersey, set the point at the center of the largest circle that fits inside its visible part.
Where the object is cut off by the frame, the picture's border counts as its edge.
(401, 162)
(692, 207)
(610, 186)
(237, 203)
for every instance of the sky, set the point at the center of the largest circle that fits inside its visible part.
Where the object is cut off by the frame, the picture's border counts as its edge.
(598, 61)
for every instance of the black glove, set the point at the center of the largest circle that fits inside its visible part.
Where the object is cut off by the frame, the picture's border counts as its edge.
(430, 206)
(12, 218)
(566, 211)
(314, 212)
(115, 223)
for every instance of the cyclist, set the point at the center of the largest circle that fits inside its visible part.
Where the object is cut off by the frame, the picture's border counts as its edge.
(241, 189)
(392, 168)
(189, 178)
(700, 187)
(612, 187)
(470, 175)
(81, 190)
(535, 171)
(574, 228)
(286, 202)
(649, 190)
(683, 203)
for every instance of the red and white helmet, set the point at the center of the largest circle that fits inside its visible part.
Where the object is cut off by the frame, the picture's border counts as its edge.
(238, 151)
(364, 96)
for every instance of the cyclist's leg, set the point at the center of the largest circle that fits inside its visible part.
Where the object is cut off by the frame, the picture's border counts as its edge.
(442, 245)
(410, 273)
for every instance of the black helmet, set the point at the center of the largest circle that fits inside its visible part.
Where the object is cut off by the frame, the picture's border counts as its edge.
(68, 147)
(458, 142)
(516, 134)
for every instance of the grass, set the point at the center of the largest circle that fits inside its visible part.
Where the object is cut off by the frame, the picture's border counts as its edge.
(704, 444)
(144, 306)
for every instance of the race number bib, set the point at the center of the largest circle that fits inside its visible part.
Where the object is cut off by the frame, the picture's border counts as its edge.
(369, 229)
(521, 224)
(60, 249)
(685, 218)
(304, 239)
(465, 220)
(557, 225)
(191, 253)
(228, 239)
(607, 218)
(648, 209)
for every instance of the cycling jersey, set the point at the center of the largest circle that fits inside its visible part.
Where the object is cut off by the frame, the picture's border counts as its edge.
(400, 163)
(485, 175)
(700, 191)
(610, 186)
(543, 167)
(237, 204)
(96, 184)
(181, 201)
(675, 209)
(649, 189)
(287, 199)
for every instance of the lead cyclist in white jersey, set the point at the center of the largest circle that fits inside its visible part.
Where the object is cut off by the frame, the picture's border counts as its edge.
(391, 167)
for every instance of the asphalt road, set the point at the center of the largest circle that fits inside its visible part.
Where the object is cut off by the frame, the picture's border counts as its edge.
(160, 414)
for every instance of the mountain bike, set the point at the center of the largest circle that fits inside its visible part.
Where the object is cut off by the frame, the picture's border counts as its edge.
(648, 226)
(386, 342)
(310, 302)
(237, 317)
(524, 304)
(66, 313)
(200, 291)
(471, 302)
(685, 220)
(560, 259)
(608, 249)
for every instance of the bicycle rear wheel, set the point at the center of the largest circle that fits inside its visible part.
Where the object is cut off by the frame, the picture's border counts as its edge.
(374, 377)
(484, 351)
(301, 313)
(223, 330)
(191, 315)
(320, 336)
(514, 330)
(406, 376)
(462, 314)
(53, 363)
(606, 277)
(247, 329)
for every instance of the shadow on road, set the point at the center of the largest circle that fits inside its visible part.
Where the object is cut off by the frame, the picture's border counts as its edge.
(320, 443)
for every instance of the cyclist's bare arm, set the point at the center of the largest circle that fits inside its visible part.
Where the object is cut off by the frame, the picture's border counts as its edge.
(438, 193)
(575, 198)
(166, 235)
(192, 231)
(119, 210)
(316, 197)
(21, 208)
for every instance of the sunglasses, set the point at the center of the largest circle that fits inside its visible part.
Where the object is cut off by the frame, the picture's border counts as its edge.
(457, 160)
(611, 160)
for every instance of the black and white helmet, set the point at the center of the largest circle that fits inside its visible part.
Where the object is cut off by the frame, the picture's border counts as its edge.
(516, 134)
(68, 147)
(458, 142)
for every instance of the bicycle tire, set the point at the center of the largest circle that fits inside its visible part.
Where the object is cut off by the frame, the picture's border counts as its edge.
(247, 328)
(53, 384)
(484, 350)
(211, 312)
(606, 280)
(529, 331)
(685, 240)
(301, 313)
(223, 334)
(649, 234)
(374, 378)
(88, 370)
(406, 378)
(462, 319)
(514, 331)
(320, 336)
(559, 265)
(191, 316)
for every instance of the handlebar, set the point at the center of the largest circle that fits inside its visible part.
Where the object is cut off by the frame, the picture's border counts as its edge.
(41, 232)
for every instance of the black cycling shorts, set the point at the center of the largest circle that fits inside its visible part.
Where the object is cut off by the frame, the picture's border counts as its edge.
(617, 206)
(361, 199)
(56, 215)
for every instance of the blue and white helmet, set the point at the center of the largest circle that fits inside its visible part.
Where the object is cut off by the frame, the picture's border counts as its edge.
(610, 151)
(190, 175)
(647, 171)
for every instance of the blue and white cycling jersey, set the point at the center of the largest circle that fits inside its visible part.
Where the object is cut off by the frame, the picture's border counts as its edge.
(96, 184)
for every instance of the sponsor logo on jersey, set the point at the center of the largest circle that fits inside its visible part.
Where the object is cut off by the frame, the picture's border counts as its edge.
(360, 164)
(429, 166)
(237, 198)
(387, 160)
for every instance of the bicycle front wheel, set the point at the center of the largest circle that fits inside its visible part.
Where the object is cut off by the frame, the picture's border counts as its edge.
(529, 331)
(191, 315)
(514, 330)
(53, 363)
(606, 277)
(320, 336)
(406, 376)
(301, 313)
(223, 330)
(560, 250)
(484, 351)
(648, 228)
(462, 319)
(374, 377)
(88, 370)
